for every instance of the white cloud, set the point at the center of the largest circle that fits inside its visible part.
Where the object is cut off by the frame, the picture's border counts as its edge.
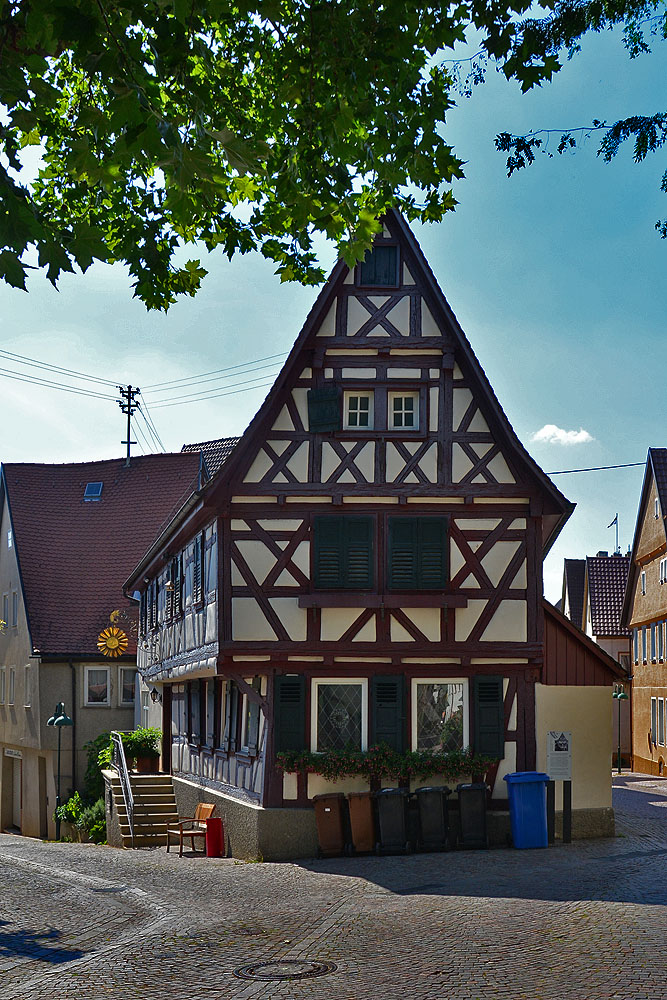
(551, 434)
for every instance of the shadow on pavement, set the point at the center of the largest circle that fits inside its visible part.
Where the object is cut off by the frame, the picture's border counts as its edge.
(620, 869)
(37, 945)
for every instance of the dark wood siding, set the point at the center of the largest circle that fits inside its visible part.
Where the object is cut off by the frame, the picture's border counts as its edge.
(571, 658)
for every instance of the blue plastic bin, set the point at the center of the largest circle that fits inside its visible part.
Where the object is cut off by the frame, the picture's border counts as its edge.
(527, 792)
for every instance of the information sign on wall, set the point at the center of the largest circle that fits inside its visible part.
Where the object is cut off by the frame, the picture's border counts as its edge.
(559, 755)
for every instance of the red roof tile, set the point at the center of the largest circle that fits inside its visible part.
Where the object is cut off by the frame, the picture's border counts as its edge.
(215, 452)
(75, 555)
(607, 578)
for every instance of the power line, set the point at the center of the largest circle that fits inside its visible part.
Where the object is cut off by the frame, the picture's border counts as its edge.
(207, 393)
(48, 384)
(233, 392)
(187, 378)
(200, 381)
(34, 363)
(596, 468)
(152, 432)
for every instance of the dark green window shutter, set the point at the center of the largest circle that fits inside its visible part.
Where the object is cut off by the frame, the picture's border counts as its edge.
(387, 711)
(489, 716)
(379, 267)
(252, 722)
(197, 571)
(417, 553)
(324, 409)
(289, 712)
(343, 553)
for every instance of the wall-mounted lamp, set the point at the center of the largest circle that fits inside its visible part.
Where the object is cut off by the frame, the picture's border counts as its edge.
(156, 696)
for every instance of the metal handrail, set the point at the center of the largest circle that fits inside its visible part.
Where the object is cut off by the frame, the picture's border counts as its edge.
(119, 762)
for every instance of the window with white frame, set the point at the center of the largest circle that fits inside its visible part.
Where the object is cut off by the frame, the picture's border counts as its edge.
(643, 582)
(127, 685)
(3, 685)
(10, 539)
(644, 643)
(145, 708)
(661, 722)
(15, 609)
(339, 714)
(5, 608)
(12, 686)
(654, 720)
(27, 686)
(635, 644)
(403, 411)
(210, 712)
(97, 686)
(656, 508)
(440, 714)
(358, 410)
(653, 641)
(663, 570)
(661, 640)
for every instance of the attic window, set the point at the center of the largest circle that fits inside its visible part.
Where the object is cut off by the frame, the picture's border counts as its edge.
(379, 267)
(93, 491)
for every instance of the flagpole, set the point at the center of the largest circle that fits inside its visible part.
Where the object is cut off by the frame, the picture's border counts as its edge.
(615, 522)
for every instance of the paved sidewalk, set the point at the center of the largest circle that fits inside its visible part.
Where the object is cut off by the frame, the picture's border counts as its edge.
(585, 921)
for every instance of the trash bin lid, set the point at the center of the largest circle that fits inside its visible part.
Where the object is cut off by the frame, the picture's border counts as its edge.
(328, 795)
(393, 791)
(518, 776)
(471, 784)
(435, 788)
(359, 795)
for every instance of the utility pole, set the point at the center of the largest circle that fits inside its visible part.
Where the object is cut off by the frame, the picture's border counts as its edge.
(128, 406)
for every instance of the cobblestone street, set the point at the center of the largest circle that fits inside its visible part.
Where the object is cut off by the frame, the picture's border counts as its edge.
(585, 921)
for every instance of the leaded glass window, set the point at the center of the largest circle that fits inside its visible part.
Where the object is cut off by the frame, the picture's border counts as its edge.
(340, 719)
(439, 716)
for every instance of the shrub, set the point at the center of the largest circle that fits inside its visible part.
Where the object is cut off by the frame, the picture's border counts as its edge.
(93, 782)
(93, 821)
(70, 811)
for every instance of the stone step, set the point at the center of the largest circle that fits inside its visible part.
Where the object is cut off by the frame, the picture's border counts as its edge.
(154, 840)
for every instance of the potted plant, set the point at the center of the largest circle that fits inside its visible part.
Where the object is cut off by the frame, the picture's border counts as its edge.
(143, 746)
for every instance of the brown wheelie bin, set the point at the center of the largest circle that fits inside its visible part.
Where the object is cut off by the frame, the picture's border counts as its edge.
(362, 821)
(331, 823)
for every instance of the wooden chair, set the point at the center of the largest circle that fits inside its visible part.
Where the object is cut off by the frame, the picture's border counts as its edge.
(196, 827)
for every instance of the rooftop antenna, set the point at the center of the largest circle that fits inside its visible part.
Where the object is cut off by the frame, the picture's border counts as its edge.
(128, 406)
(617, 550)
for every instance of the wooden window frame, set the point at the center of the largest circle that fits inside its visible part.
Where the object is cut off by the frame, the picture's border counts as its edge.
(661, 722)
(642, 582)
(404, 393)
(349, 394)
(415, 681)
(318, 682)
(654, 721)
(121, 671)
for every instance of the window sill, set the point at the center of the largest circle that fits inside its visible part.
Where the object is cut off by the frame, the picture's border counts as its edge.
(354, 599)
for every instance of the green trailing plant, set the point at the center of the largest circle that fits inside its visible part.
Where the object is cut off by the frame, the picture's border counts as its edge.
(381, 761)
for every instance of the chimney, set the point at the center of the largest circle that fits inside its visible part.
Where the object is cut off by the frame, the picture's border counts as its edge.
(602, 555)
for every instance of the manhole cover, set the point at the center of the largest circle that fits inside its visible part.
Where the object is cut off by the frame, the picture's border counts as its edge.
(285, 968)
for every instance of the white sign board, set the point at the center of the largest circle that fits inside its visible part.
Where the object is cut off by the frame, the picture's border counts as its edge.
(16, 754)
(559, 755)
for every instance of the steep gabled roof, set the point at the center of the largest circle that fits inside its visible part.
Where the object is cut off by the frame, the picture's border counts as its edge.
(74, 555)
(607, 577)
(656, 468)
(215, 452)
(557, 507)
(574, 573)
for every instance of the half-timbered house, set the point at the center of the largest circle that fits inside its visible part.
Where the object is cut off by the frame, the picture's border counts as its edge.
(365, 566)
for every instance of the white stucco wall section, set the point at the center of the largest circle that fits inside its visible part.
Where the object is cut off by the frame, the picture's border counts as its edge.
(586, 713)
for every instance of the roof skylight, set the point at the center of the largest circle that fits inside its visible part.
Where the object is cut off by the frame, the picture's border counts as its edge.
(93, 491)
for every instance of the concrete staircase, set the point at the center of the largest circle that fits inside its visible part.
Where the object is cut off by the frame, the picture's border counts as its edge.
(154, 809)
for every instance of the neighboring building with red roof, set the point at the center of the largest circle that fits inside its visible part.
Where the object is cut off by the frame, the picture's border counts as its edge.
(70, 534)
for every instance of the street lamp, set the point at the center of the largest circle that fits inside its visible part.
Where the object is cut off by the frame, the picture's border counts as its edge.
(620, 696)
(59, 719)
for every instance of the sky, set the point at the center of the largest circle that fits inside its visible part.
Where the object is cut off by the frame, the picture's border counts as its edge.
(556, 275)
